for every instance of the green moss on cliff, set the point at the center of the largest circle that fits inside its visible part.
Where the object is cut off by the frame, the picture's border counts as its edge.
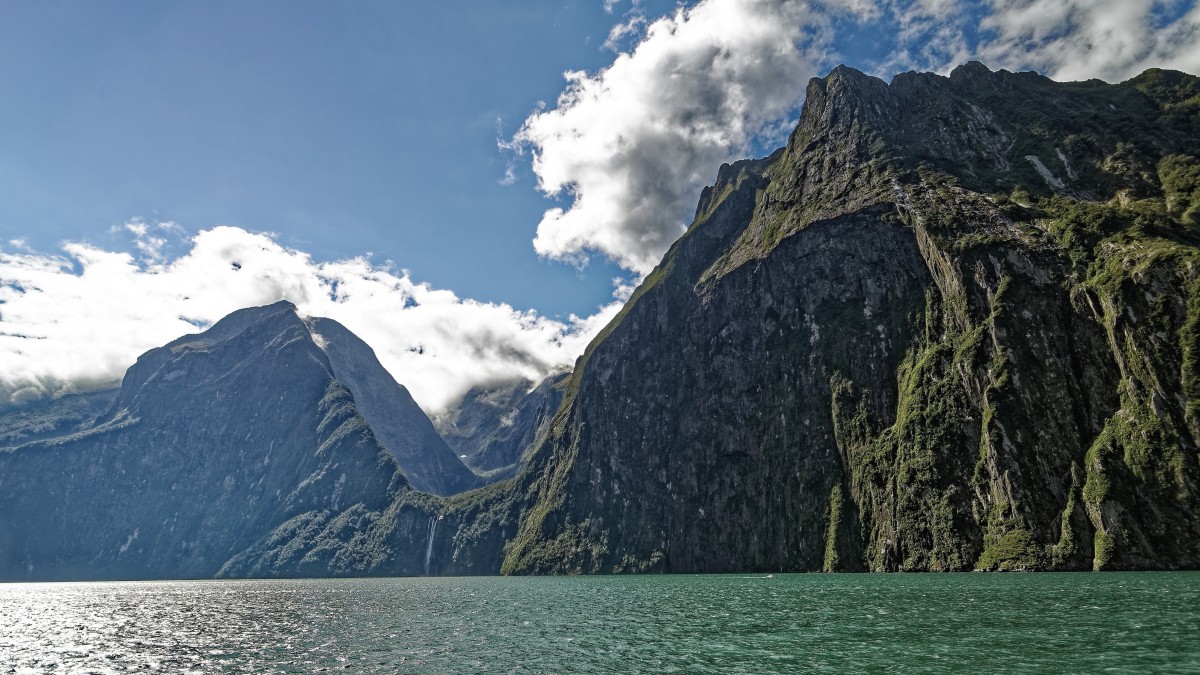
(907, 477)
(1008, 545)
(831, 563)
(1040, 411)
(1012, 550)
(1064, 551)
(1180, 177)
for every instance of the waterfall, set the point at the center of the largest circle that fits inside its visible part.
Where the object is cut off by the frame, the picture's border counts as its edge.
(429, 548)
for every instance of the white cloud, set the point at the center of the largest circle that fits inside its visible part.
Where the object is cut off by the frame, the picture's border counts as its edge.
(75, 321)
(632, 27)
(1064, 39)
(626, 148)
(151, 247)
(610, 5)
(631, 145)
(510, 174)
(927, 35)
(1079, 39)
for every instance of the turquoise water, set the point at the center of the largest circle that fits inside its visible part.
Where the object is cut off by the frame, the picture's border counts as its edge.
(1020, 623)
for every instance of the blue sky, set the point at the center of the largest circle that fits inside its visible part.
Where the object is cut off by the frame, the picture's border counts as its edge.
(346, 128)
(471, 186)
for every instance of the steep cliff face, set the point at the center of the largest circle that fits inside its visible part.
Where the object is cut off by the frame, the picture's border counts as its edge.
(216, 444)
(952, 325)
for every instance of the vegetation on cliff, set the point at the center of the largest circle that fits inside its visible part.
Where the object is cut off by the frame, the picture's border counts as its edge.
(953, 325)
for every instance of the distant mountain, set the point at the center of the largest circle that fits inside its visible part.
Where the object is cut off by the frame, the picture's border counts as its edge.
(51, 418)
(214, 442)
(494, 426)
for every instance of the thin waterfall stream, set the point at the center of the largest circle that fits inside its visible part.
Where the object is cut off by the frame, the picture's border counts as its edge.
(433, 521)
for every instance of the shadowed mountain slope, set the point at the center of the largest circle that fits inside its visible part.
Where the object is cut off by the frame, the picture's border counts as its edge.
(952, 325)
(212, 442)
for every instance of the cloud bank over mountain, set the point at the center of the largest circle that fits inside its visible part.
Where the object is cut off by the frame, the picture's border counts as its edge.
(1112, 40)
(78, 319)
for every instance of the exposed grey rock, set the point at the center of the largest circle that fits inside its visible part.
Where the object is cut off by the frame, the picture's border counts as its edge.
(891, 345)
(894, 345)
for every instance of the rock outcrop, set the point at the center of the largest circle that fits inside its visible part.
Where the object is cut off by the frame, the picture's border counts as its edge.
(397, 422)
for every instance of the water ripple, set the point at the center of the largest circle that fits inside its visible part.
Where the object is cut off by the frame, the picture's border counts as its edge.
(672, 624)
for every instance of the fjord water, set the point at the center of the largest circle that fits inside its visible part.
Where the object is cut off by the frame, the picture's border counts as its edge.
(1082, 622)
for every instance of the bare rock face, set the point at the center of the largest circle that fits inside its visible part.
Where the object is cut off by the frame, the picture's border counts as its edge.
(953, 325)
(234, 439)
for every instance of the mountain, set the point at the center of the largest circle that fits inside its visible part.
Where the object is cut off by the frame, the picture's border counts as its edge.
(398, 423)
(954, 324)
(494, 426)
(215, 444)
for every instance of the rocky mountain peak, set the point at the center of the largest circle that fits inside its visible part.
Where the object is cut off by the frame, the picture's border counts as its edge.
(969, 72)
(202, 358)
(998, 131)
(278, 334)
(213, 440)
